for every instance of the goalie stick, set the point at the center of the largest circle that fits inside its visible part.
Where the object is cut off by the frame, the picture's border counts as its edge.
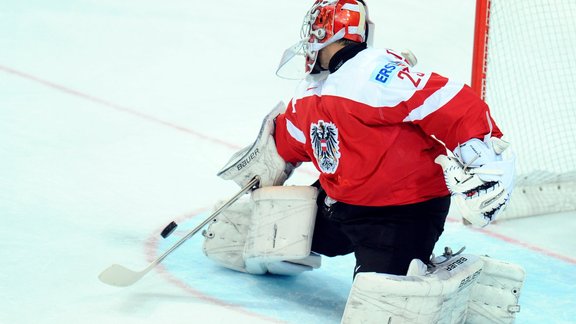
(120, 276)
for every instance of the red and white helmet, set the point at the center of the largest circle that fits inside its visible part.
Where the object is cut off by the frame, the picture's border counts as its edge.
(326, 22)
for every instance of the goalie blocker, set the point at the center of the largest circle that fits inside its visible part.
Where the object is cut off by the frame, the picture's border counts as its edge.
(260, 159)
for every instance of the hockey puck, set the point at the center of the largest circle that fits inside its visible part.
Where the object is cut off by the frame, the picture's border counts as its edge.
(168, 229)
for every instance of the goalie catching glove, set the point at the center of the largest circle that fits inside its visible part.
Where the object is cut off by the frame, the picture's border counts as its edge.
(480, 179)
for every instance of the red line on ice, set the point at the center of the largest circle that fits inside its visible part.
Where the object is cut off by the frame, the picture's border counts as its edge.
(117, 107)
(152, 246)
(514, 241)
(218, 141)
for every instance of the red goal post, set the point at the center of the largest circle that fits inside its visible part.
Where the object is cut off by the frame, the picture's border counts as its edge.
(480, 41)
(524, 67)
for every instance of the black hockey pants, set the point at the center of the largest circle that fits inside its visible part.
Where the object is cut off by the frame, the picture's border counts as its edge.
(383, 239)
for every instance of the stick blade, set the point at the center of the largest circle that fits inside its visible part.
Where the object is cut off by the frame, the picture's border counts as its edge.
(119, 276)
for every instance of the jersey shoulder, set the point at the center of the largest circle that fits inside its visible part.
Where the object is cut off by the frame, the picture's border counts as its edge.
(375, 77)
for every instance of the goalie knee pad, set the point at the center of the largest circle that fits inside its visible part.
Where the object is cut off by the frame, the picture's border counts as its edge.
(271, 232)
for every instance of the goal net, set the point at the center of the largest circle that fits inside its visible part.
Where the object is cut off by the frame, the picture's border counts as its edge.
(524, 66)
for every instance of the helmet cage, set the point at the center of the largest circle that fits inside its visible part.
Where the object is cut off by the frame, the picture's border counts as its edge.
(326, 22)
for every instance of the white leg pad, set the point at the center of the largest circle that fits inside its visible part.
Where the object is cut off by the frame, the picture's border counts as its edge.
(225, 237)
(282, 227)
(270, 232)
(437, 297)
(495, 297)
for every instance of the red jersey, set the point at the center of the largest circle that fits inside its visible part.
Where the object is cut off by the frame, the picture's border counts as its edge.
(369, 129)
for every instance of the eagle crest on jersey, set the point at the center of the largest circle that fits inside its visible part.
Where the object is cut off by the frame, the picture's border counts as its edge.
(324, 137)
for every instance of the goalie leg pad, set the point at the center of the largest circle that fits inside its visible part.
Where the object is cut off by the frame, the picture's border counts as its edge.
(225, 237)
(281, 228)
(270, 232)
(437, 297)
(495, 297)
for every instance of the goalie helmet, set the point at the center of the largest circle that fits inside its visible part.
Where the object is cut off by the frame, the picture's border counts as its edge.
(326, 22)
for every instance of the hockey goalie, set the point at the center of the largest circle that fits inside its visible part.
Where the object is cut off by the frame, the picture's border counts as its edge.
(393, 147)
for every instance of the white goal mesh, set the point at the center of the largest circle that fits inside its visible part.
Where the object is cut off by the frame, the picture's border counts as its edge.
(529, 81)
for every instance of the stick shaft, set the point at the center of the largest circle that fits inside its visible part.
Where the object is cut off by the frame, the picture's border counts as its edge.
(254, 182)
(121, 276)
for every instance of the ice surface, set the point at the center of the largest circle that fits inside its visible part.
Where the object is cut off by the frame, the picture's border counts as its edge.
(115, 117)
